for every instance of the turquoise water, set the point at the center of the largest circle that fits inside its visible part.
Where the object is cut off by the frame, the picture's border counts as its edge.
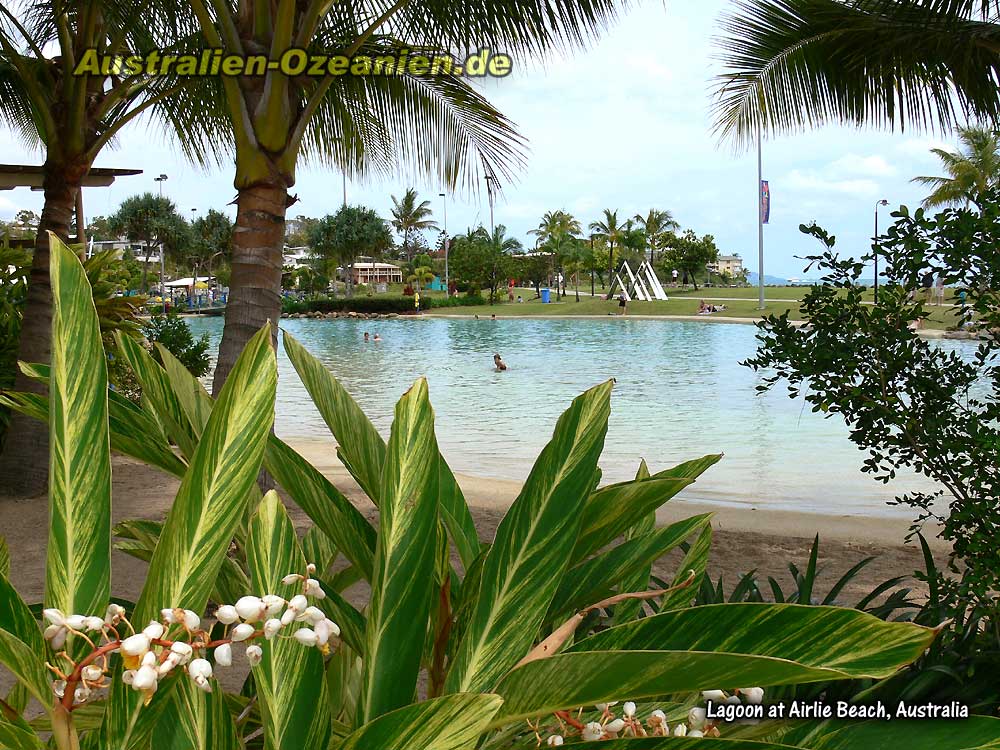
(680, 393)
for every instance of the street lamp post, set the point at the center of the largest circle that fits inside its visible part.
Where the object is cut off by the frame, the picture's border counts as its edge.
(444, 203)
(882, 202)
(592, 265)
(163, 290)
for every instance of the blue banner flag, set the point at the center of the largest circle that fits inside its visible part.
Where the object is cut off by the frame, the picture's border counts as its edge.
(765, 202)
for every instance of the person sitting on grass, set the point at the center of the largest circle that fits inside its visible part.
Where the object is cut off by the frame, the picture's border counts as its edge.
(499, 363)
(704, 308)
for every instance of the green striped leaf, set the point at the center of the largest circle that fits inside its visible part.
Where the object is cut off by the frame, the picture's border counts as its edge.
(967, 734)
(14, 737)
(190, 393)
(324, 504)
(453, 722)
(456, 515)
(22, 650)
(689, 743)
(213, 494)
(78, 561)
(352, 623)
(289, 678)
(575, 679)
(532, 547)
(696, 561)
(159, 395)
(319, 549)
(637, 579)
(404, 576)
(852, 642)
(360, 447)
(611, 510)
(593, 579)
(133, 432)
(4, 558)
(196, 720)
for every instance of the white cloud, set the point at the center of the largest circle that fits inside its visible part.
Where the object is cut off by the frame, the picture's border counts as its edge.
(923, 146)
(851, 165)
(810, 181)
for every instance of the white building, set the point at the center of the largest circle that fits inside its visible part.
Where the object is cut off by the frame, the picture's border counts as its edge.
(730, 264)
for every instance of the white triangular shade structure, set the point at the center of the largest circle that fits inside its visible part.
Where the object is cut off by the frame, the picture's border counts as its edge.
(641, 285)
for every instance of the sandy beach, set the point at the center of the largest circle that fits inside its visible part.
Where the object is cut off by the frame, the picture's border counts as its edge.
(744, 539)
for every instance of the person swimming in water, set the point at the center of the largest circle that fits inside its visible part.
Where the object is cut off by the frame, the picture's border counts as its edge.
(500, 364)
(366, 337)
(377, 337)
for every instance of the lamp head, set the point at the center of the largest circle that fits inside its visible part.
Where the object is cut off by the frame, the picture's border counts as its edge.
(883, 202)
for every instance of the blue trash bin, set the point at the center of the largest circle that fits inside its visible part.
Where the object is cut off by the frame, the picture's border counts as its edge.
(545, 296)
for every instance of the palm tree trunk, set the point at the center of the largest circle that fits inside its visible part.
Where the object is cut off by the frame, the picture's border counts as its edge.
(24, 463)
(255, 284)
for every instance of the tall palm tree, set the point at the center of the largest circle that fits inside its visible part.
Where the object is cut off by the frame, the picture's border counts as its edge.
(409, 216)
(974, 168)
(792, 64)
(70, 118)
(611, 232)
(555, 232)
(656, 225)
(434, 125)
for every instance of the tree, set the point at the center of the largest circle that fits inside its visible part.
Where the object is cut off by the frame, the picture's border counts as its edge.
(360, 123)
(611, 232)
(534, 268)
(408, 216)
(212, 237)
(792, 64)
(556, 233)
(154, 221)
(972, 170)
(908, 402)
(297, 230)
(656, 225)
(690, 254)
(352, 231)
(484, 260)
(71, 115)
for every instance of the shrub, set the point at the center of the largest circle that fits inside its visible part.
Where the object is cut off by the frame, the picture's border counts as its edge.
(172, 333)
(514, 641)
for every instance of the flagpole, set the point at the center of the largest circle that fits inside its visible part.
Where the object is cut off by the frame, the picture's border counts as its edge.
(760, 224)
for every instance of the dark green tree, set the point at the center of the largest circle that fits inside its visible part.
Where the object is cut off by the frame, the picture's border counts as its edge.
(154, 221)
(352, 231)
(689, 254)
(484, 261)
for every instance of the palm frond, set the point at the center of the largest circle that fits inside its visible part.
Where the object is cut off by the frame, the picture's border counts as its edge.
(793, 64)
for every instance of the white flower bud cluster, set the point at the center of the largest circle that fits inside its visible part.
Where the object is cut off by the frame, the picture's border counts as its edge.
(609, 726)
(177, 640)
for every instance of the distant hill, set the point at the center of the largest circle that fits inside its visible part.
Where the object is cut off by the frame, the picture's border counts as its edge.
(768, 280)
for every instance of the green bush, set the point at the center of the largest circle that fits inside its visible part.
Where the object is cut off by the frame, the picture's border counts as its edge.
(400, 305)
(518, 642)
(173, 334)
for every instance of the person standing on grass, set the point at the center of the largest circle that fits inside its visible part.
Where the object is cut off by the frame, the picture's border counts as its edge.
(674, 275)
(416, 301)
(622, 304)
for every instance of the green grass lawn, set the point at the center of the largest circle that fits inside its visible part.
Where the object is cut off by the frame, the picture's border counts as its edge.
(941, 317)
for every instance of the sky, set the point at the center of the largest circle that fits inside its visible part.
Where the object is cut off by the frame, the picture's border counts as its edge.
(624, 124)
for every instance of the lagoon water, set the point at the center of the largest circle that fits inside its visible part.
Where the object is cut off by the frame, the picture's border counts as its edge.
(680, 393)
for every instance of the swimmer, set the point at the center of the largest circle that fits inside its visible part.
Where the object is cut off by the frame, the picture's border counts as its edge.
(500, 364)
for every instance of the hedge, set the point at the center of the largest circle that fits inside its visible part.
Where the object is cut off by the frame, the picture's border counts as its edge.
(373, 304)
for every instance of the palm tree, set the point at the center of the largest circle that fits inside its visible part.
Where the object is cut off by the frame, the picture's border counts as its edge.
(656, 224)
(611, 232)
(554, 233)
(71, 115)
(409, 216)
(973, 169)
(792, 64)
(362, 124)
